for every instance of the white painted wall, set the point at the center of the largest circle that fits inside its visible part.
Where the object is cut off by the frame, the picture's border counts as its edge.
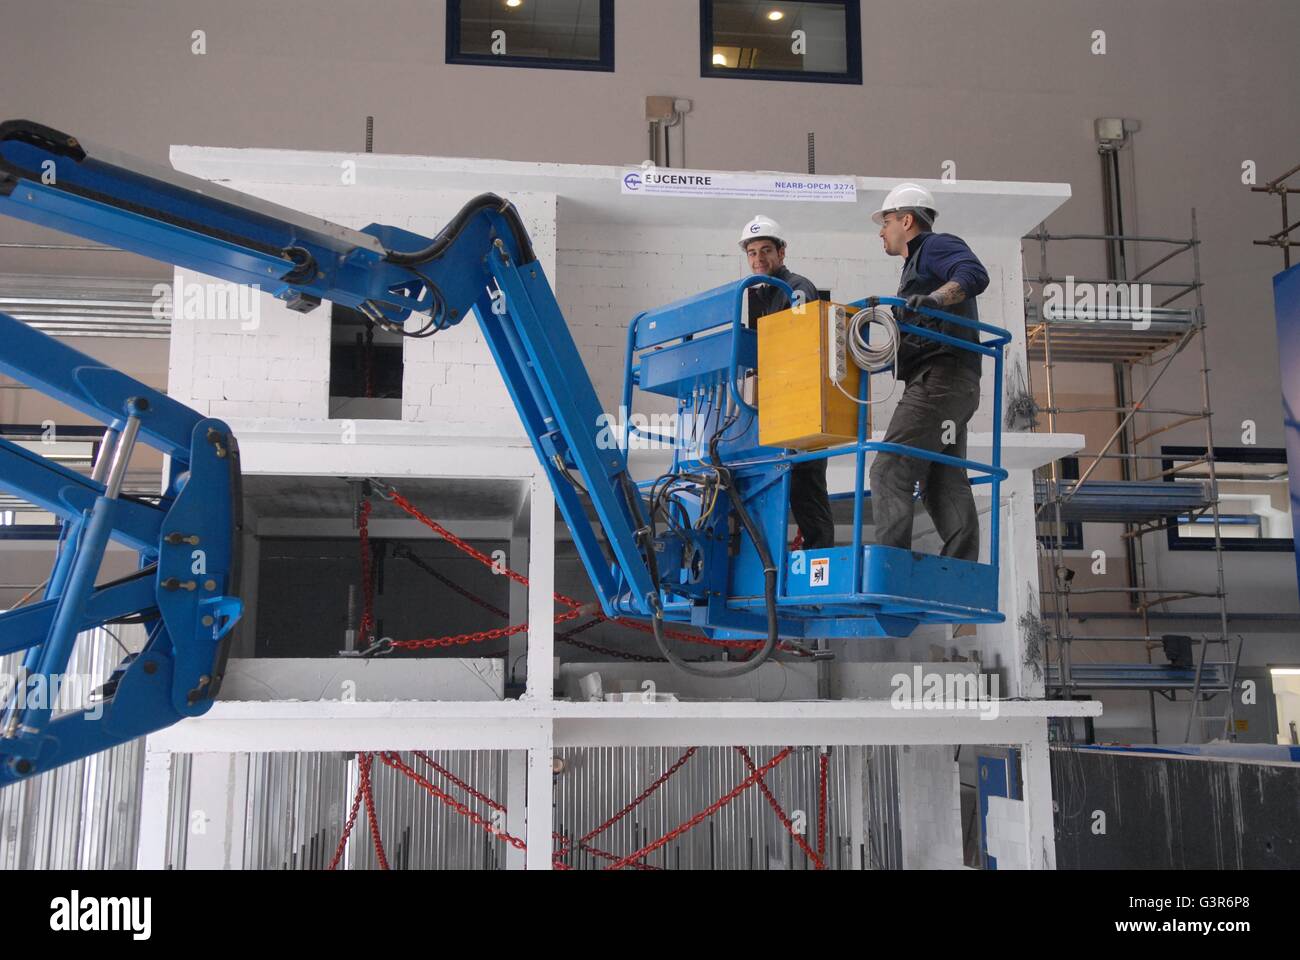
(281, 370)
(929, 803)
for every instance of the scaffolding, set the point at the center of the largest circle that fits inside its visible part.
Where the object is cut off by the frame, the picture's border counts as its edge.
(1282, 190)
(1144, 501)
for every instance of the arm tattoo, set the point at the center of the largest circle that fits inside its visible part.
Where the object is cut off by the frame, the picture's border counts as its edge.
(950, 293)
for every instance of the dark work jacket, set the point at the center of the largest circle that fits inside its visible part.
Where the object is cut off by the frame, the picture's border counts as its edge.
(767, 299)
(935, 259)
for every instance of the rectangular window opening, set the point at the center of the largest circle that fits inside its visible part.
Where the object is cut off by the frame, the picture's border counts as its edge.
(550, 34)
(815, 40)
(1254, 499)
(366, 368)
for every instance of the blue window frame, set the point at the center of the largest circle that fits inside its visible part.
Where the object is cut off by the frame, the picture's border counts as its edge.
(545, 34)
(813, 41)
(1241, 470)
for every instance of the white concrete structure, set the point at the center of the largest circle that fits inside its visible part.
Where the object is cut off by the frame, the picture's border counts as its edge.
(609, 257)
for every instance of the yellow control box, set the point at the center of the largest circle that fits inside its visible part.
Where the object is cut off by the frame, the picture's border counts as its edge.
(799, 405)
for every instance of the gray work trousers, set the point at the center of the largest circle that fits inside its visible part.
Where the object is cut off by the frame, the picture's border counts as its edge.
(938, 403)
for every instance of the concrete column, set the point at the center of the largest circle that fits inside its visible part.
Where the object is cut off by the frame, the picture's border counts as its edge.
(516, 805)
(218, 792)
(541, 814)
(1040, 830)
(151, 853)
(541, 596)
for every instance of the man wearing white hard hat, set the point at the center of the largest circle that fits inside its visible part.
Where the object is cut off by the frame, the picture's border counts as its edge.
(942, 381)
(764, 244)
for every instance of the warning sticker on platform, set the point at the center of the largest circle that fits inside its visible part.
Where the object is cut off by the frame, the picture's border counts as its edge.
(656, 182)
(819, 573)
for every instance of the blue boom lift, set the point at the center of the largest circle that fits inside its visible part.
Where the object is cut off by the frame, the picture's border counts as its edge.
(705, 545)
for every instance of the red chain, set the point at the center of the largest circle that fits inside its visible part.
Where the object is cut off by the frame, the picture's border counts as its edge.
(448, 775)
(635, 860)
(781, 814)
(645, 795)
(367, 761)
(413, 511)
(366, 629)
(347, 829)
(570, 637)
(709, 811)
(485, 636)
(615, 858)
(452, 585)
(469, 551)
(392, 760)
(564, 842)
(824, 773)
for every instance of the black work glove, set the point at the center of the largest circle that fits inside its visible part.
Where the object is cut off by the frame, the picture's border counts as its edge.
(928, 301)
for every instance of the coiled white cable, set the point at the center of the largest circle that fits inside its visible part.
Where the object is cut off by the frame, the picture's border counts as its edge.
(872, 359)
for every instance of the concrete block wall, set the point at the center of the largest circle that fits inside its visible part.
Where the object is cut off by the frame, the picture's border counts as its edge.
(1004, 833)
(930, 808)
(280, 370)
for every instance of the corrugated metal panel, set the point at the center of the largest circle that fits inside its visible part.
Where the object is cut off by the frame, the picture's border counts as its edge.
(297, 805)
(178, 811)
(86, 815)
(88, 306)
(744, 835)
(883, 830)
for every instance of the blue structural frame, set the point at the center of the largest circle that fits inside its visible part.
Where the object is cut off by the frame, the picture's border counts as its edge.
(722, 507)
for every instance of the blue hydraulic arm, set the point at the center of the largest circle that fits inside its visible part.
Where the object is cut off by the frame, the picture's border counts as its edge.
(482, 263)
(187, 540)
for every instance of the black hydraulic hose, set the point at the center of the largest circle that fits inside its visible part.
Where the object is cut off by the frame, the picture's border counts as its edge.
(486, 201)
(769, 576)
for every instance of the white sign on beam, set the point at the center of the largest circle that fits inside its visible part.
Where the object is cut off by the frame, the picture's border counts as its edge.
(656, 182)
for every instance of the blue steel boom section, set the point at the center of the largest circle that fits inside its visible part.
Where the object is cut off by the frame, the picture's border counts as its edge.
(704, 545)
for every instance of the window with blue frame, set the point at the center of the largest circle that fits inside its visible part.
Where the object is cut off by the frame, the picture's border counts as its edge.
(550, 34)
(817, 41)
(1254, 499)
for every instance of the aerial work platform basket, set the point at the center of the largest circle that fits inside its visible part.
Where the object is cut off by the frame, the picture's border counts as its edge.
(699, 353)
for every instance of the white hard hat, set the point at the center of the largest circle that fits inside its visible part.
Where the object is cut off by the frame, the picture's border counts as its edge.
(759, 228)
(907, 197)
